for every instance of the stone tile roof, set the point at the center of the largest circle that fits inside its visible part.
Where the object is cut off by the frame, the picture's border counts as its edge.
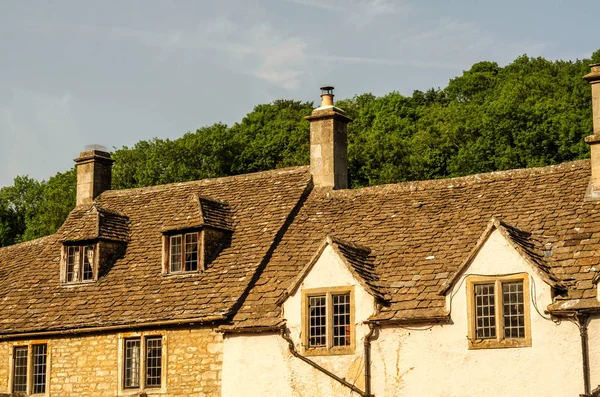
(529, 246)
(420, 233)
(200, 211)
(359, 262)
(93, 222)
(134, 290)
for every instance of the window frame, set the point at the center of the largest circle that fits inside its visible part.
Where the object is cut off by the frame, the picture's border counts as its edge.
(142, 387)
(329, 348)
(499, 341)
(79, 264)
(30, 367)
(182, 234)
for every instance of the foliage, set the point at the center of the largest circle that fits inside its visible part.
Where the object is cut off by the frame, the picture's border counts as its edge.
(532, 112)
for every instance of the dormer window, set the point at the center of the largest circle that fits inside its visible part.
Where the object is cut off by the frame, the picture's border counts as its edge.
(80, 263)
(183, 252)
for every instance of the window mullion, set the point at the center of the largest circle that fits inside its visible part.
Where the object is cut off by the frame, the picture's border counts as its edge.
(183, 247)
(329, 319)
(499, 310)
(142, 363)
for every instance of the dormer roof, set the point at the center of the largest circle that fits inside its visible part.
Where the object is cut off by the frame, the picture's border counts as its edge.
(198, 211)
(92, 223)
(529, 246)
(358, 260)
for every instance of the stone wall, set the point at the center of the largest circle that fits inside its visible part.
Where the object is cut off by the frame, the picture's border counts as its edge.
(90, 365)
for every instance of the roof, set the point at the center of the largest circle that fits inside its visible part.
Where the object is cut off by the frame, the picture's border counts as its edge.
(421, 233)
(94, 222)
(357, 259)
(403, 242)
(134, 290)
(195, 212)
(529, 246)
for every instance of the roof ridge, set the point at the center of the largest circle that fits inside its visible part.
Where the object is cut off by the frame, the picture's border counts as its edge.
(467, 180)
(207, 181)
(36, 241)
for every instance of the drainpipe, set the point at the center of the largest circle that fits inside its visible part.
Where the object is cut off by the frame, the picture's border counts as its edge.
(292, 348)
(368, 360)
(583, 332)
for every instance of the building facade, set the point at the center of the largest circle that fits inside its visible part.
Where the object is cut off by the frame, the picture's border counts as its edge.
(286, 283)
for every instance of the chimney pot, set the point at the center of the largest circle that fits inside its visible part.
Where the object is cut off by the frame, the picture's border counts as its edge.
(327, 96)
(94, 174)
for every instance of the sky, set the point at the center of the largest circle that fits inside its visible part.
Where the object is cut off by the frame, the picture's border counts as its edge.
(114, 72)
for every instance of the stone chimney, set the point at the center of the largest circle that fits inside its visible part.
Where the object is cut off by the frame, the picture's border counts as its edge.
(94, 175)
(593, 78)
(329, 143)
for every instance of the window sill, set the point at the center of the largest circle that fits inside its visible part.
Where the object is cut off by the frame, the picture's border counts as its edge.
(190, 273)
(136, 392)
(338, 351)
(478, 344)
(78, 283)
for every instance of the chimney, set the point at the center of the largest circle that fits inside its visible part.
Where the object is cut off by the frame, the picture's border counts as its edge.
(329, 143)
(94, 174)
(593, 78)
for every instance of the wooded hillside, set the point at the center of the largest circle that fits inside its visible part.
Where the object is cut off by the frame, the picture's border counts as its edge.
(532, 112)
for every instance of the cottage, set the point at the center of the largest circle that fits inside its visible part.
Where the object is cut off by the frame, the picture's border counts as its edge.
(286, 283)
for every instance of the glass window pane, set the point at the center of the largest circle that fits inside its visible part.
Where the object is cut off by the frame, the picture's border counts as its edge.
(88, 260)
(175, 253)
(191, 251)
(514, 309)
(39, 368)
(72, 263)
(485, 318)
(317, 321)
(341, 319)
(131, 368)
(153, 361)
(20, 369)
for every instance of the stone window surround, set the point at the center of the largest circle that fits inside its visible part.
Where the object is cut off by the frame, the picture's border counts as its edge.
(499, 342)
(123, 391)
(330, 349)
(166, 254)
(29, 344)
(64, 260)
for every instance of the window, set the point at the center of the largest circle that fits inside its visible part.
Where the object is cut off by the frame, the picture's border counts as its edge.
(183, 252)
(142, 362)
(329, 321)
(498, 309)
(29, 369)
(79, 261)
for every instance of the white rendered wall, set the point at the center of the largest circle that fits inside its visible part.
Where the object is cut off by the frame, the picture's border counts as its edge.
(263, 366)
(426, 362)
(437, 361)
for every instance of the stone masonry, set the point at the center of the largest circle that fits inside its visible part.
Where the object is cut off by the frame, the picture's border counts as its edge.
(89, 365)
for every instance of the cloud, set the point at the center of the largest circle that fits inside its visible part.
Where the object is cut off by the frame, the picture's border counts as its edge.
(40, 123)
(357, 12)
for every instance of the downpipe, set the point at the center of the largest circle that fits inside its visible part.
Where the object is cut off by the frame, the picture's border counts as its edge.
(583, 332)
(342, 381)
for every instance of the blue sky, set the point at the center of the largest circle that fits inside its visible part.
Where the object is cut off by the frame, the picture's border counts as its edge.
(109, 72)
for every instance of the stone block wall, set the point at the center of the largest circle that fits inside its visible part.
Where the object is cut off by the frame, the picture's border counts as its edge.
(89, 365)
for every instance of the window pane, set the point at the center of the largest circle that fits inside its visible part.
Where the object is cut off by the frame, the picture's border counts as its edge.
(191, 251)
(514, 310)
(175, 247)
(20, 369)
(317, 321)
(341, 320)
(131, 370)
(72, 262)
(485, 318)
(39, 368)
(88, 260)
(153, 361)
